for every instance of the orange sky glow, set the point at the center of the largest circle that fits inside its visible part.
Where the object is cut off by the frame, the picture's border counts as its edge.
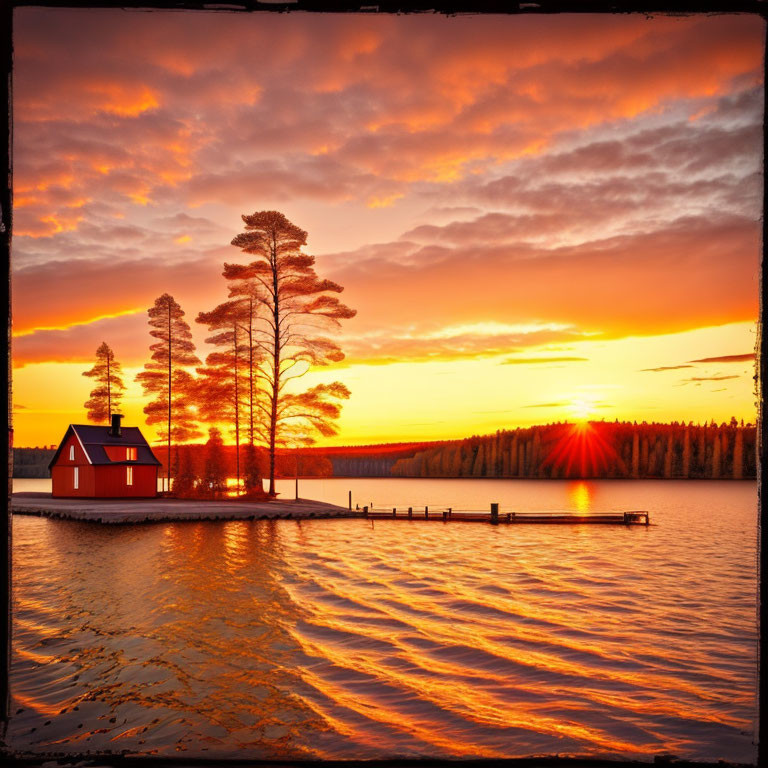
(537, 218)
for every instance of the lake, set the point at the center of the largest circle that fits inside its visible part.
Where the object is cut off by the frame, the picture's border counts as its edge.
(354, 638)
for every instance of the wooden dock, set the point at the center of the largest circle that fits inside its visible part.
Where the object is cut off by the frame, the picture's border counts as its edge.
(496, 517)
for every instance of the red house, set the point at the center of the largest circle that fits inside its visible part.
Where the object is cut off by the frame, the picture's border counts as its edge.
(104, 462)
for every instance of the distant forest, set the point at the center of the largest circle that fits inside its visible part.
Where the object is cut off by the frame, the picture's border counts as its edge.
(593, 450)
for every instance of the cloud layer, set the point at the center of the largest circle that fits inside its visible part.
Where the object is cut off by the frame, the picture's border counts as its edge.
(600, 176)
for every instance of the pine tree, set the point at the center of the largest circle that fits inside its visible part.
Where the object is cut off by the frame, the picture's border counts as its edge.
(185, 479)
(295, 309)
(687, 453)
(105, 398)
(477, 469)
(635, 454)
(716, 457)
(222, 394)
(513, 456)
(215, 473)
(668, 455)
(738, 455)
(166, 376)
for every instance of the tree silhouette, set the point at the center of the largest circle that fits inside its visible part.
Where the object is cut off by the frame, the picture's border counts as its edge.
(105, 398)
(215, 473)
(166, 376)
(223, 388)
(185, 480)
(295, 310)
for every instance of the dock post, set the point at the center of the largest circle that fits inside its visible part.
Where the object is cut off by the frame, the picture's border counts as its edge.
(445, 515)
(365, 509)
(450, 511)
(410, 511)
(626, 518)
(394, 511)
(426, 512)
(350, 501)
(494, 513)
(357, 507)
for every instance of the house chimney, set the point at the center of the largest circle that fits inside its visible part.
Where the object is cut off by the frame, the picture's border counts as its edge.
(115, 431)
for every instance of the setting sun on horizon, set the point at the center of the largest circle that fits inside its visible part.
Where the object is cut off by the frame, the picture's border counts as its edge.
(537, 219)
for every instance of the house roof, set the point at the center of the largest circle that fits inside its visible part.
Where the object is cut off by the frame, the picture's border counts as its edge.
(94, 439)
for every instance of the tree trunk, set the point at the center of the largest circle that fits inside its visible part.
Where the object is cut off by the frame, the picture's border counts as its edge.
(170, 365)
(250, 370)
(237, 415)
(276, 373)
(109, 393)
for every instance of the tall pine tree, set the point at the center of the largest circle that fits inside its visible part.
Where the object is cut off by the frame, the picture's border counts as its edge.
(166, 376)
(296, 309)
(105, 397)
(222, 392)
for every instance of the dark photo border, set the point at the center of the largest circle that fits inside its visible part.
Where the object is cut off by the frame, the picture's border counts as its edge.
(448, 7)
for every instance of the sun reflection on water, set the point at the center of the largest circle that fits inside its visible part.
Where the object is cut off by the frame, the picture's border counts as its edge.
(580, 495)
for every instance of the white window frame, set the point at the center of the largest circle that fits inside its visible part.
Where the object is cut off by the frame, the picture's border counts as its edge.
(131, 454)
(77, 478)
(71, 452)
(129, 475)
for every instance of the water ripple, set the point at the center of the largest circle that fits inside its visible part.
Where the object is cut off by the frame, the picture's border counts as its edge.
(340, 639)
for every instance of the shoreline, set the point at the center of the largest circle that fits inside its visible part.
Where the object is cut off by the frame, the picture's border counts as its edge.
(159, 510)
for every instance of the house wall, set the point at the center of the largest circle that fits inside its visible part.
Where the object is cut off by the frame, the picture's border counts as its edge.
(63, 481)
(111, 481)
(63, 476)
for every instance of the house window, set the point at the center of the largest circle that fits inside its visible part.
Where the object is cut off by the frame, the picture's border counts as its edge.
(129, 475)
(72, 454)
(76, 480)
(131, 454)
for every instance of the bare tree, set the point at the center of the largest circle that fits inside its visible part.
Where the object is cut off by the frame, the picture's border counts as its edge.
(166, 376)
(105, 398)
(295, 309)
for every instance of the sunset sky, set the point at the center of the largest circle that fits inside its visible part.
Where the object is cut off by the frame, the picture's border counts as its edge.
(537, 218)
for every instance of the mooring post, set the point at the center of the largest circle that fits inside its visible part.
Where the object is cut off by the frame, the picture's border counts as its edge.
(365, 509)
(394, 511)
(350, 501)
(426, 512)
(445, 514)
(450, 511)
(410, 511)
(494, 513)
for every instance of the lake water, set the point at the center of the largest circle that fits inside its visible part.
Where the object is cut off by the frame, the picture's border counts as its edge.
(355, 638)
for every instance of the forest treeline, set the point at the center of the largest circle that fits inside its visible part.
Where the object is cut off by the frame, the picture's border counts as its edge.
(366, 460)
(594, 450)
(32, 462)
(343, 461)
